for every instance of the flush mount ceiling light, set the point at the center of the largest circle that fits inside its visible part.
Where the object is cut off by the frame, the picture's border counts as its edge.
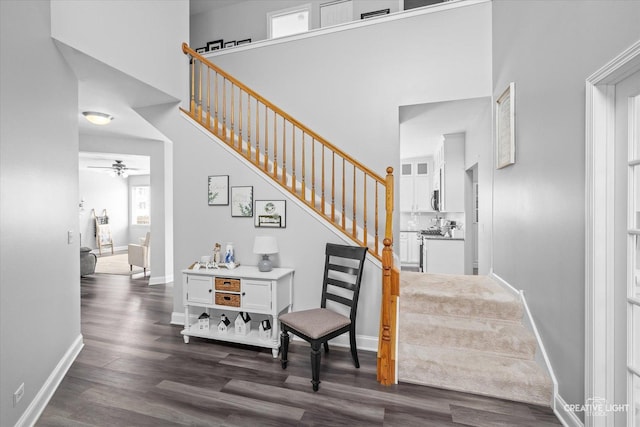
(97, 118)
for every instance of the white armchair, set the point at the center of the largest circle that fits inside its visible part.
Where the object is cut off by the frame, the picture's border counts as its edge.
(139, 254)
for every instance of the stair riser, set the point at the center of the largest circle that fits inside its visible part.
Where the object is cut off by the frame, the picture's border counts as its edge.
(497, 391)
(447, 306)
(510, 340)
(520, 382)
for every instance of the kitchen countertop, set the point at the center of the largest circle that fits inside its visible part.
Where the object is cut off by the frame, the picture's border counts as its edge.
(436, 237)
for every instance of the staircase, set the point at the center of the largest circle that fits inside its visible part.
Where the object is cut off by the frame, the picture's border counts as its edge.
(465, 333)
(335, 186)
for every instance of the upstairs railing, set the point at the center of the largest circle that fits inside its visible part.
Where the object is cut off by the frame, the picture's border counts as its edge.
(337, 187)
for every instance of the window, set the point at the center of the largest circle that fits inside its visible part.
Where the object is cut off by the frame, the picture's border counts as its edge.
(335, 13)
(289, 21)
(141, 205)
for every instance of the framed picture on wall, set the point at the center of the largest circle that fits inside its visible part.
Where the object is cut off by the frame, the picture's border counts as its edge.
(230, 44)
(375, 13)
(244, 41)
(505, 128)
(214, 45)
(270, 213)
(218, 190)
(242, 201)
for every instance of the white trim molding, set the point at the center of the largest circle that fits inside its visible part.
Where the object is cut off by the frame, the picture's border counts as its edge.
(599, 215)
(39, 403)
(542, 358)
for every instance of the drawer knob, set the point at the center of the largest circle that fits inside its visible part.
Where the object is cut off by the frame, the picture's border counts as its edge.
(210, 290)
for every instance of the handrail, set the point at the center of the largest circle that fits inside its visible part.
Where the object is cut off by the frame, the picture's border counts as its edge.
(187, 50)
(301, 161)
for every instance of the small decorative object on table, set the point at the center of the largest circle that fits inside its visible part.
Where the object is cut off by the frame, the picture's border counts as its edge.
(203, 322)
(223, 326)
(264, 330)
(243, 323)
(216, 254)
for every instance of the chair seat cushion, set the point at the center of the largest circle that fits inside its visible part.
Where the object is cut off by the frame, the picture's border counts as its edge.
(316, 322)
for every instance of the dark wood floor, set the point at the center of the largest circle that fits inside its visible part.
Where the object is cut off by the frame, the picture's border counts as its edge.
(135, 370)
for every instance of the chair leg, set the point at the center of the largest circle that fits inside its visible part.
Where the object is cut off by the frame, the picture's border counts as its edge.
(130, 267)
(354, 350)
(326, 346)
(315, 365)
(144, 272)
(284, 348)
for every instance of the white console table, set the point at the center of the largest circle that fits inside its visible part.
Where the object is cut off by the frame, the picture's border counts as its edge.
(231, 291)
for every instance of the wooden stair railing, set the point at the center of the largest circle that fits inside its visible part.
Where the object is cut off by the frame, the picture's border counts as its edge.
(333, 184)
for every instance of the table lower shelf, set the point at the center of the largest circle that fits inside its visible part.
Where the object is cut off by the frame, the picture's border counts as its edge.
(252, 338)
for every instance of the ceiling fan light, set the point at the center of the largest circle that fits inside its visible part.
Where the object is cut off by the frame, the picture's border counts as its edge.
(97, 118)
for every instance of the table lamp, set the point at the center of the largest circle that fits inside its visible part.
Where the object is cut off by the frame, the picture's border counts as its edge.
(265, 245)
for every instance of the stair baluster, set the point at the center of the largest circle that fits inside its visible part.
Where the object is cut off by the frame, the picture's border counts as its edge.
(233, 125)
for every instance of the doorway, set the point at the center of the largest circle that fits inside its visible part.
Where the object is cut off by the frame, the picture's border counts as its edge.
(612, 353)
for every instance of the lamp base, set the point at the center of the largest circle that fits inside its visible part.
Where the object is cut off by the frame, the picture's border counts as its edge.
(265, 264)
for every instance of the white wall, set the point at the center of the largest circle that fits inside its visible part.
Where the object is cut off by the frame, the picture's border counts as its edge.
(139, 38)
(102, 191)
(39, 270)
(161, 165)
(248, 19)
(348, 86)
(548, 49)
(199, 226)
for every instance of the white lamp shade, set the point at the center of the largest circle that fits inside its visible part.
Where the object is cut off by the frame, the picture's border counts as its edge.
(265, 245)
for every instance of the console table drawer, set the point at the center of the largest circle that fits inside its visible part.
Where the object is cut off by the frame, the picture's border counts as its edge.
(224, 298)
(229, 285)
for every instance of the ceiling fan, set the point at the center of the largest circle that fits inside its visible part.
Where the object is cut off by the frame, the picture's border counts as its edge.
(117, 169)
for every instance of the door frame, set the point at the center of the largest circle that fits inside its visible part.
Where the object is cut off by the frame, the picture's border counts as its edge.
(599, 241)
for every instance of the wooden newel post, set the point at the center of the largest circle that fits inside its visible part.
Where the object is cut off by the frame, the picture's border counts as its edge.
(387, 336)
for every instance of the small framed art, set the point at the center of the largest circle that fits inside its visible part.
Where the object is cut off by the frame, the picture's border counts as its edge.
(229, 44)
(270, 213)
(505, 128)
(218, 190)
(375, 13)
(244, 41)
(242, 201)
(214, 45)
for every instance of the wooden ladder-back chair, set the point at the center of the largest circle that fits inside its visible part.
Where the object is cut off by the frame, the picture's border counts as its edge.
(341, 285)
(103, 231)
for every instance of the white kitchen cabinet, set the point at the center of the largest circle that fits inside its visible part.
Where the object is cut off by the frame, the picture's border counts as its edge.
(217, 291)
(443, 255)
(415, 185)
(409, 248)
(449, 164)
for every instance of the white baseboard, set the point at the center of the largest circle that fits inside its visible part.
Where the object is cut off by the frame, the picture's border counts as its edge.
(37, 405)
(567, 418)
(162, 280)
(559, 405)
(107, 251)
(364, 342)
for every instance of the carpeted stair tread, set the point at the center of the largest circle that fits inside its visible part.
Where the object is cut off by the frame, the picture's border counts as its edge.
(457, 295)
(475, 372)
(500, 337)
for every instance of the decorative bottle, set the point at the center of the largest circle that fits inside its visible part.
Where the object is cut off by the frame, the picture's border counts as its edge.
(229, 257)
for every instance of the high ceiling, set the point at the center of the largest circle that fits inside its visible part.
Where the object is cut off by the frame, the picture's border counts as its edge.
(422, 125)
